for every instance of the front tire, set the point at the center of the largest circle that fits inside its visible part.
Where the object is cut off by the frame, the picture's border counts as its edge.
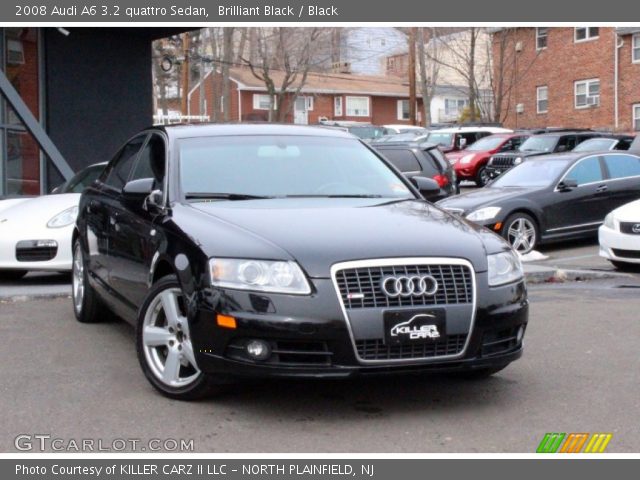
(164, 347)
(482, 177)
(87, 307)
(12, 275)
(521, 231)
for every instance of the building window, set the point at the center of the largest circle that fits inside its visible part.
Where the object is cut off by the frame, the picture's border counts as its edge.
(636, 117)
(587, 93)
(262, 101)
(357, 106)
(582, 34)
(337, 106)
(403, 109)
(635, 48)
(542, 34)
(454, 106)
(542, 99)
(309, 103)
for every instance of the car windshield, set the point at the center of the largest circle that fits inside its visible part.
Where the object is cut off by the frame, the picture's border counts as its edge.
(81, 180)
(242, 167)
(444, 139)
(367, 133)
(533, 173)
(539, 144)
(595, 144)
(486, 143)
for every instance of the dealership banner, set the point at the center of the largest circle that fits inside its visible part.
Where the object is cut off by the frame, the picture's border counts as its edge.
(277, 468)
(64, 12)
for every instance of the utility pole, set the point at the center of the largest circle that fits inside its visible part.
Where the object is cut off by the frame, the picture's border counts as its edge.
(412, 76)
(185, 74)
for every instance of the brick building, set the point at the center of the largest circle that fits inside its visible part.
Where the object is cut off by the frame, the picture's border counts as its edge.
(583, 77)
(374, 99)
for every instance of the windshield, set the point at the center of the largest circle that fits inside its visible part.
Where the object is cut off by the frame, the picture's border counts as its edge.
(539, 144)
(282, 166)
(444, 139)
(486, 143)
(533, 173)
(367, 133)
(595, 144)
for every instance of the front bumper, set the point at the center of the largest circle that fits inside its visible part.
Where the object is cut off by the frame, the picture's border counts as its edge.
(494, 171)
(314, 338)
(618, 246)
(19, 249)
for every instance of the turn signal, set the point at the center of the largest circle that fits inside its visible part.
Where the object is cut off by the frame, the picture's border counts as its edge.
(497, 226)
(225, 321)
(441, 180)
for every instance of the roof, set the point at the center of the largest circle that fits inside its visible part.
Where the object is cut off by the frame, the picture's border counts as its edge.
(329, 83)
(239, 129)
(473, 129)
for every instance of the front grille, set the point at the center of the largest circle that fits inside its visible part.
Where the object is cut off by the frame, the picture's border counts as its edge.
(376, 349)
(286, 353)
(626, 253)
(360, 287)
(502, 161)
(629, 227)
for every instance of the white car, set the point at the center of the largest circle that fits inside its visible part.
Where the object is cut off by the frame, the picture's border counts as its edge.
(619, 236)
(35, 233)
(399, 128)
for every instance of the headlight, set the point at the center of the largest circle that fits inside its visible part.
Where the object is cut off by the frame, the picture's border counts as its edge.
(259, 275)
(64, 218)
(504, 268)
(467, 159)
(483, 214)
(609, 222)
(517, 161)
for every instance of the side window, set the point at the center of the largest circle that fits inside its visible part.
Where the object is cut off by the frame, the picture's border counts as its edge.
(404, 160)
(122, 163)
(566, 144)
(517, 141)
(621, 166)
(151, 162)
(586, 171)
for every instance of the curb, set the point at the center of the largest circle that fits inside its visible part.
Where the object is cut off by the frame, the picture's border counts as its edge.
(559, 275)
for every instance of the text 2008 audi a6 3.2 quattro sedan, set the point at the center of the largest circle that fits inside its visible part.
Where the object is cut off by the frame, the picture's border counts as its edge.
(284, 251)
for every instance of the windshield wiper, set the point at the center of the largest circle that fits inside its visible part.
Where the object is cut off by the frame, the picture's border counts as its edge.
(223, 196)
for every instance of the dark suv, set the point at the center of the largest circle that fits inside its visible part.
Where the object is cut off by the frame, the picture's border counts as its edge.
(422, 159)
(535, 145)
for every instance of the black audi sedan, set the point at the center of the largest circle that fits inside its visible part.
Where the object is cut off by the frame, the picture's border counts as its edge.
(284, 251)
(553, 197)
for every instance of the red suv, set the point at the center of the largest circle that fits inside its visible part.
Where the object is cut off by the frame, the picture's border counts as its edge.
(470, 163)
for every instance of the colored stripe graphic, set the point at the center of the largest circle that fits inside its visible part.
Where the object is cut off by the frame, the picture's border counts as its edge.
(574, 443)
(598, 443)
(550, 442)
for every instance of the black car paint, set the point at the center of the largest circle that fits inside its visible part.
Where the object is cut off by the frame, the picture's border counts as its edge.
(134, 246)
(560, 214)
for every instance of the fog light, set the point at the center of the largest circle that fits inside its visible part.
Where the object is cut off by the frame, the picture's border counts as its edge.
(520, 334)
(258, 349)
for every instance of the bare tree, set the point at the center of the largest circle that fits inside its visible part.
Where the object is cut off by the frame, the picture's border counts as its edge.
(428, 71)
(227, 58)
(283, 61)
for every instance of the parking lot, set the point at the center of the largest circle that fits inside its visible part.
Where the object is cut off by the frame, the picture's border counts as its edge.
(579, 374)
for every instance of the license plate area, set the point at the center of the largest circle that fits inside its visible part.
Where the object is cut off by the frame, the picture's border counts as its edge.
(406, 327)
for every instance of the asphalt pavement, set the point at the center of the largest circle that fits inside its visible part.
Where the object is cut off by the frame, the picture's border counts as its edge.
(579, 373)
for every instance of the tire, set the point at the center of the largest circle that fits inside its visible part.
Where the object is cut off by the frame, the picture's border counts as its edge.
(480, 373)
(87, 307)
(12, 275)
(521, 231)
(163, 337)
(482, 177)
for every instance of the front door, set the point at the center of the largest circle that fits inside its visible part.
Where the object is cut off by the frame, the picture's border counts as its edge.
(300, 113)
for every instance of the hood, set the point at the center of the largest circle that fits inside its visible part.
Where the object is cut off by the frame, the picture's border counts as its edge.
(39, 210)
(320, 232)
(11, 202)
(455, 156)
(482, 197)
(629, 212)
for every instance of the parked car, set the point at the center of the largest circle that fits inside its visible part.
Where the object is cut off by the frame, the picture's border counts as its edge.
(617, 142)
(535, 145)
(399, 128)
(35, 233)
(413, 136)
(552, 197)
(288, 251)
(424, 160)
(454, 139)
(471, 163)
(364, 131)
(619, 236)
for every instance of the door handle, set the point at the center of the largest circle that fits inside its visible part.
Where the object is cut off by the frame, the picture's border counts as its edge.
(602, 188)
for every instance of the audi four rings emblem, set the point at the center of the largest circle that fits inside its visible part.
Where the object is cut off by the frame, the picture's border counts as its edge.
(409, 286)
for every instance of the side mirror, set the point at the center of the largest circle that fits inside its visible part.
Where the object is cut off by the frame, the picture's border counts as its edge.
(567, 185)
(140, 192)
(462, 143)
(428, 187)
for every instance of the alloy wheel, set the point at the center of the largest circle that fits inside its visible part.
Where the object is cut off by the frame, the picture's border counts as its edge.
(78, 278)
(166, 340)
(521, 234)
